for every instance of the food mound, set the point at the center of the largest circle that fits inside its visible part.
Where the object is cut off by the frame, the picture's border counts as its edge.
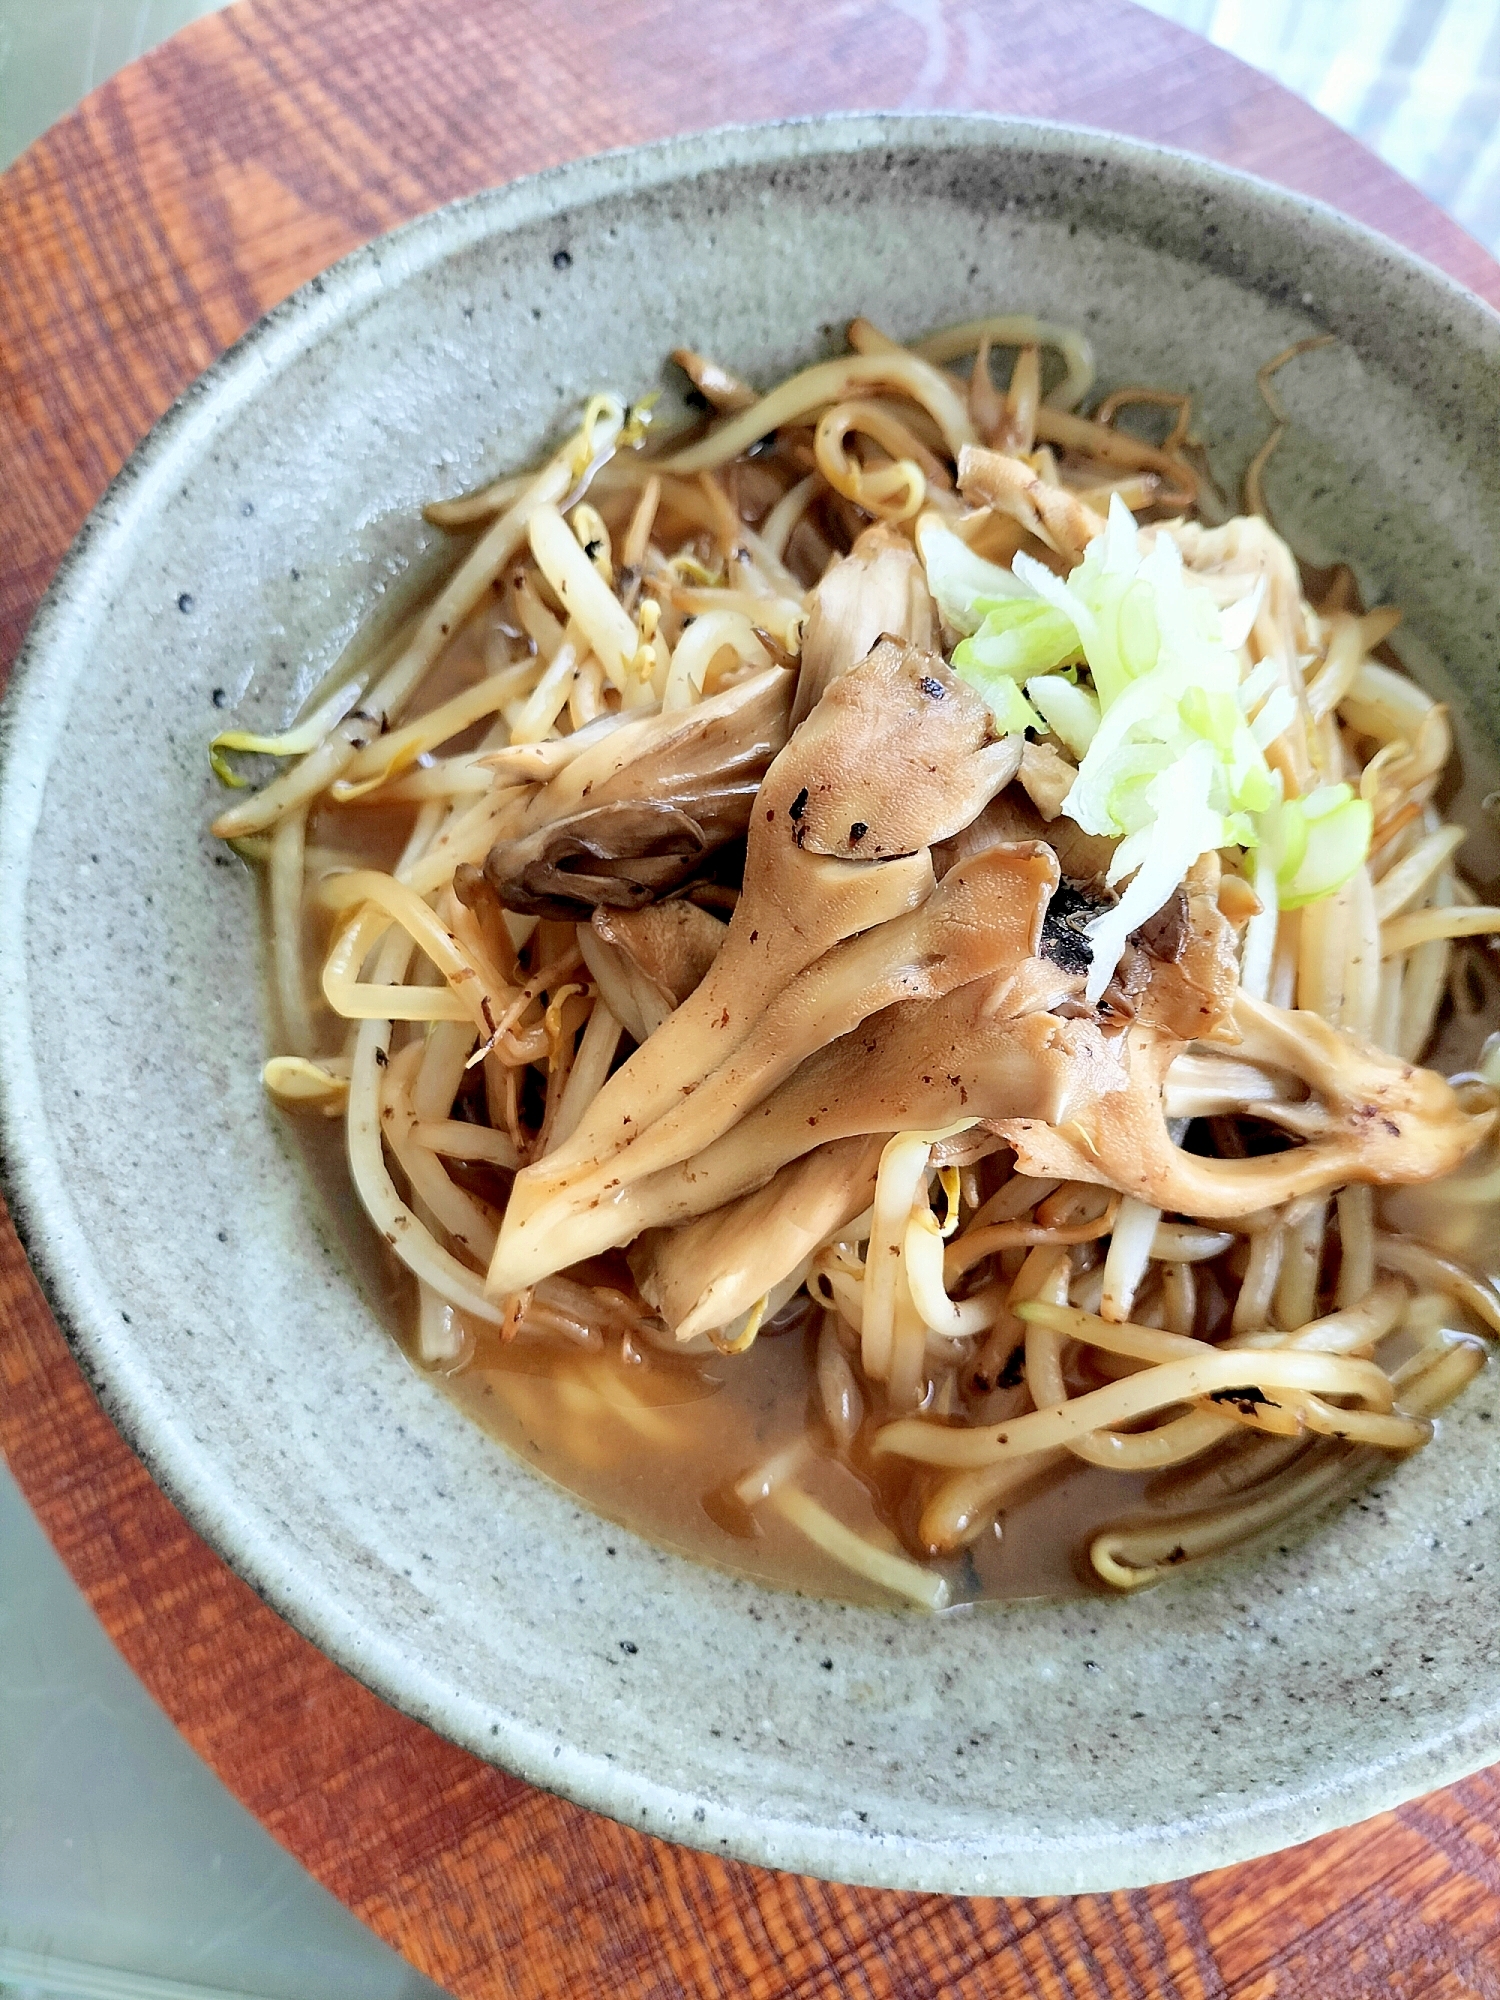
(898, 875)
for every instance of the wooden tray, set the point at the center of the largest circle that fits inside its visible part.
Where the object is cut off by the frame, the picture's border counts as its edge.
(137, 239)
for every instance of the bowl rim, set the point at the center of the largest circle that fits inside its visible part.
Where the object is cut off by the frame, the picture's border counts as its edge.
(38, 1199)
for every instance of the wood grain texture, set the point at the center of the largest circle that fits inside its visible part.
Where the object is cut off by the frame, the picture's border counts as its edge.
(137, 239)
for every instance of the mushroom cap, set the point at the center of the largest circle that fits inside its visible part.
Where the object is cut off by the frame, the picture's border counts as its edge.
(899, 753)
(879, 587)
(704, 1273)
(622, 856)
(1011, 487)
(680, 757)
(672, 944)
(1084, 858)
(1373, 1118)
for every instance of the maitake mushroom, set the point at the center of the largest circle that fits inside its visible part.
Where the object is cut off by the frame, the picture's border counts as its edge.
(918, 1065)
(707, 1272)
(983, 922)
(620, 856)
(897, 754)
(1370, 1118)
(1010, 816)
(671, 945)
(642, 806)
(853, 995)
(879, 588)
(1057, 518)
(677, 757)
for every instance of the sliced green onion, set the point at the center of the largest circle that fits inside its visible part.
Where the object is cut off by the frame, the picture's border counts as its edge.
(1070, 712)
(1019, 637)
(1322, 841)
(1139, 636)
(963, 585)
(1170, 738)
(1013, 713)
(1284, 832)
(1213, 714)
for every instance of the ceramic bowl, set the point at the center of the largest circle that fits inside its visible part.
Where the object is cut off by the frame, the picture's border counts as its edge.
(1022, 1748)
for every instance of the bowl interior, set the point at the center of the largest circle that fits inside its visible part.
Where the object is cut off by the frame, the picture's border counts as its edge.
(1022, 1748)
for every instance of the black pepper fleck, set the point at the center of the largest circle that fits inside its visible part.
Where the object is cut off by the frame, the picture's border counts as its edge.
(1246, 1400)
(1015, 1367)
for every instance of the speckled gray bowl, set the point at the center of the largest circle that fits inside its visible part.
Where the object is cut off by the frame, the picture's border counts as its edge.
(1031, 1748)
